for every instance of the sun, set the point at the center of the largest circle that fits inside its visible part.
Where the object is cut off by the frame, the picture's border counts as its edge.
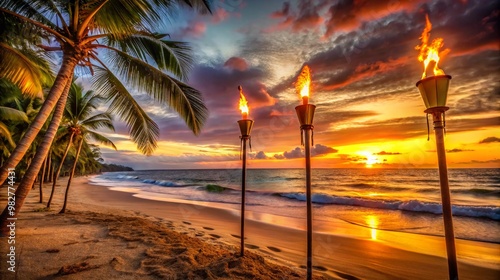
(370, 159)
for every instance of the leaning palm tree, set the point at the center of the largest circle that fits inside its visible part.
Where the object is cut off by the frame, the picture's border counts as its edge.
(113, 41)
(81, 124)
(78, 121)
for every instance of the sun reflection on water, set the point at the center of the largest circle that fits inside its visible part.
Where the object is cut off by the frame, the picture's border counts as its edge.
(372, 221)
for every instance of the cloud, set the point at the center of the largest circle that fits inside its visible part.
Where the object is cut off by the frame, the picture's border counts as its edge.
(284, 12)
(306, 19)
(279, 156)
(298, 152)
(236, 63)
(322, 150)
(489, 140)
(384, 153)
(456, 150)
(349, 15)
(261, 155)
(194, 28)
(295, 153)
(219, 15)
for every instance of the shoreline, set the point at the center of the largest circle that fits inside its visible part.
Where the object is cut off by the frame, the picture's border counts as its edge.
(338, 256)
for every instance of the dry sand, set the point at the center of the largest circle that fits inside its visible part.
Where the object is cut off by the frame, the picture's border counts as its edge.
(113, 235)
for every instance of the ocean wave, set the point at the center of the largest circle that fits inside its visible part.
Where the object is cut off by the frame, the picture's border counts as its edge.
(479, 191)
(411, 205)
(128, 177)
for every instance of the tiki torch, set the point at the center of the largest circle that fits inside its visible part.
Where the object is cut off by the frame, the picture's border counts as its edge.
(434, 92)
(305, 113)
(245, 129)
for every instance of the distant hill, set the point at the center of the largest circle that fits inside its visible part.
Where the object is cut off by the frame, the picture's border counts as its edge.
(114, 167)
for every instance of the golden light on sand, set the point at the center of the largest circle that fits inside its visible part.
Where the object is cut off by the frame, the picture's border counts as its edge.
(430, 52)
(372, 221)
(302, 86)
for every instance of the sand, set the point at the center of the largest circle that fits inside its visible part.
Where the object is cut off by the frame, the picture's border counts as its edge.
(107, 234)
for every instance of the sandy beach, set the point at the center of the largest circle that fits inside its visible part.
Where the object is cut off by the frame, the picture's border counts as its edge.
(108, 234)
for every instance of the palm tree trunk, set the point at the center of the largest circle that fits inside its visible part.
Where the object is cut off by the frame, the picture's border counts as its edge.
(59, 168)
(24, 187)
(51, 167)
(64, 77)
(47, 167)
(42, 177)
(71, 176)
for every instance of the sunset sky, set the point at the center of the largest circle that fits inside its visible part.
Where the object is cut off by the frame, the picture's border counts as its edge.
(364, 69)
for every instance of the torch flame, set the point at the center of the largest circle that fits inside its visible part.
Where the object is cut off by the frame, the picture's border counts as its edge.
(430, 52)
(243, 104)
(303, 82)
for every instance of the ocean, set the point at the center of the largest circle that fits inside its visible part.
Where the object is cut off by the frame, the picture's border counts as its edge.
(403, 200)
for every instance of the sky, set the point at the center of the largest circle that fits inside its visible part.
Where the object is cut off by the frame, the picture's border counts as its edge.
(364, 69)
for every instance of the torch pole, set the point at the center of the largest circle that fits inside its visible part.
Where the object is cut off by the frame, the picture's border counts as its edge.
(437, 116)
(307, 148)
(305, 114)
(245, 128)
(243, 185)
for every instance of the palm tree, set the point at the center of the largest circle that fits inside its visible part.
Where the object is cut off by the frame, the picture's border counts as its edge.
(79, 123)
(113, 41)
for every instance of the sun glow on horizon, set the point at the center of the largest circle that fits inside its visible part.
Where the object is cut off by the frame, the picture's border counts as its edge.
(369, 159)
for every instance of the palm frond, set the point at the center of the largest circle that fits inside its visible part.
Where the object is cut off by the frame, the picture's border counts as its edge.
(12, 114)
(172, 56)
(102, 120)
(118, 16)
(5, 133)
(19, 69)
(187, 101)
(100, 138)
(38, 10)
(143, 130)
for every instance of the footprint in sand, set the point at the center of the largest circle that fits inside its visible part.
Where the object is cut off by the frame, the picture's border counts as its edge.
(236, 236)
(346, 276)
(274, 249)
(52, 251)
(320, 268)
(187, 223)
(215, 236)
(251, 246)
(208, 228)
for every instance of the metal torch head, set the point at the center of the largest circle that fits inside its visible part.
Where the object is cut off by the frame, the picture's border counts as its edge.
(305, 113)
(434, 90)
(245, 127)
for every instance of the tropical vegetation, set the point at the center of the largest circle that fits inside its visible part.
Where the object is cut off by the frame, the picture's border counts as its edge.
(119, 44)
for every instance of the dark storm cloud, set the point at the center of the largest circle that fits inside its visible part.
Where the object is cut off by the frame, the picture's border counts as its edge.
(489, 140)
